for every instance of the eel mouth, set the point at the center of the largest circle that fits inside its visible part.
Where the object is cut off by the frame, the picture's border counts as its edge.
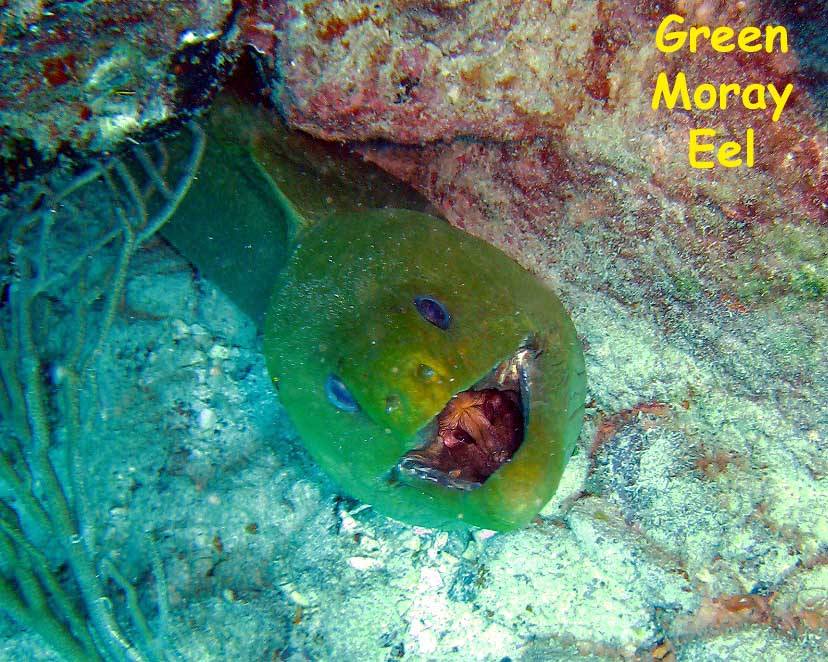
(479, 430)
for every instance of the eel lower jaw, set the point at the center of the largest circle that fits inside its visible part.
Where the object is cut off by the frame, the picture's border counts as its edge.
(479, 430)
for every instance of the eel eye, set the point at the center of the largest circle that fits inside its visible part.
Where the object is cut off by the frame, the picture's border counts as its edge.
(433, 311)
(339, 395)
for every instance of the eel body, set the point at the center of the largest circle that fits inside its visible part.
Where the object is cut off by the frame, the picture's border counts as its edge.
(428, 373)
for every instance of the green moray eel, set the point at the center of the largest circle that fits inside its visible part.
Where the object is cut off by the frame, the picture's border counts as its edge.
(428, 373)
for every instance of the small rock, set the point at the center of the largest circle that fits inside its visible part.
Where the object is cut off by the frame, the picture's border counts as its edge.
(219, 352)
(363, 563)
(180, 330)
(207, 419)
(431, 577)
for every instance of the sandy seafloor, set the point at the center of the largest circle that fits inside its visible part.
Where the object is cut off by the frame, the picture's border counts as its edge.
(698, 531)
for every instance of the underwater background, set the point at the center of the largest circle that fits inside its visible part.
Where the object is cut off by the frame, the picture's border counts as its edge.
(157, 503)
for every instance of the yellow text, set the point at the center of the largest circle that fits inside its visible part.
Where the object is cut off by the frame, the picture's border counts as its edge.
(748, 40)
(727, 154)
(706, 96)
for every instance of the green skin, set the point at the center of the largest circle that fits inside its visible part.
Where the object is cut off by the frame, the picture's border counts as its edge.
(343, 305)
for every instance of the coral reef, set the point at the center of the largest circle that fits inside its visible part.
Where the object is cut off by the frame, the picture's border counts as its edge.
(557, 97)
(690, 525)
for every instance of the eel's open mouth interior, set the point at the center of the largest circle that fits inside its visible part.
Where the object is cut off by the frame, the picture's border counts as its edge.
(479, 429)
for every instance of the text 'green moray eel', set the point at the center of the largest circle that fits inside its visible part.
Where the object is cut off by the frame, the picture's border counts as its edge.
(427, 372)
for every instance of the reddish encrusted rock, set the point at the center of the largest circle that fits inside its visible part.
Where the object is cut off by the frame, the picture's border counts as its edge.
(532, 120)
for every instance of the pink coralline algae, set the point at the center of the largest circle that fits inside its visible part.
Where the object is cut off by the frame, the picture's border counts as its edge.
(521, 118)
